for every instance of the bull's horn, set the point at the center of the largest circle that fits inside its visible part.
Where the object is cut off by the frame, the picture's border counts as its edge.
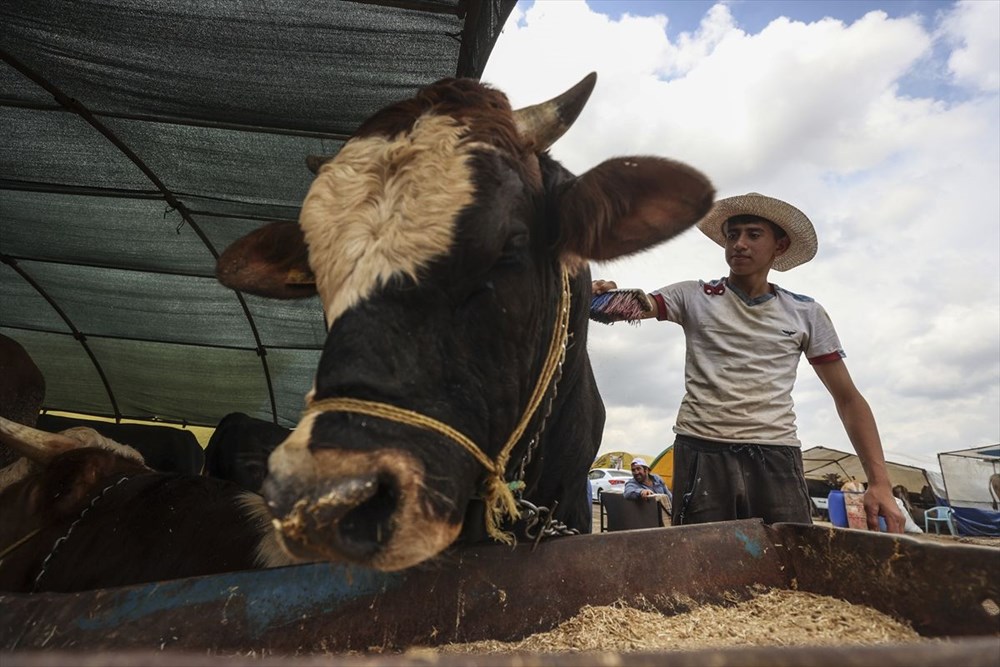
(541, 125)
(38, 446)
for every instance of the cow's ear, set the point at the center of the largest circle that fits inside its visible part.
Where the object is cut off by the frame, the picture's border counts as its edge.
(629, 204)
(272, 261)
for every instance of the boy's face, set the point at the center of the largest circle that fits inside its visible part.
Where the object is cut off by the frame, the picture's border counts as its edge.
(752, 246)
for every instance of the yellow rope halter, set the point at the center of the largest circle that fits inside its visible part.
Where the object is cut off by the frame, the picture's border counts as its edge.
(499, 497)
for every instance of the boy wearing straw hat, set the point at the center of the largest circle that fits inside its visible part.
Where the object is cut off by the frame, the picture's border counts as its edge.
(736, 451)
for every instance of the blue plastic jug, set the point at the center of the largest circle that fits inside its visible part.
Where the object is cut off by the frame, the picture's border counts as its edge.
(837, 508)
(838, 511)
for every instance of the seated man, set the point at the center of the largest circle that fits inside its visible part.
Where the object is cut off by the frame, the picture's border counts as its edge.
(644, 483)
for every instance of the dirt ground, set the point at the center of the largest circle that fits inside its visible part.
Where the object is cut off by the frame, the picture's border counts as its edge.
(981, 541)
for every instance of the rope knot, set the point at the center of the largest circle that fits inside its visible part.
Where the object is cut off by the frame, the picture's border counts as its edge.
(500, 503)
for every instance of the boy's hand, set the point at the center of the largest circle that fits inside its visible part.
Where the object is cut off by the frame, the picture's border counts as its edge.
(602, 286)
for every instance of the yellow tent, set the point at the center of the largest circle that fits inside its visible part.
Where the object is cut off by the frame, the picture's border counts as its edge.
(618, 460)
(663, 465)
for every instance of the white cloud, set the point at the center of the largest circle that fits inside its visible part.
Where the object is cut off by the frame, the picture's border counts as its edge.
(902, 191)
(976, 61)
(692, 49)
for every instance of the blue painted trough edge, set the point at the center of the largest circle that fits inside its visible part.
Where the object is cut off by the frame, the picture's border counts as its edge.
(503, 593)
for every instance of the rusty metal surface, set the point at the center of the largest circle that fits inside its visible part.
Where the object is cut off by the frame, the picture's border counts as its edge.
(495, 592)
(475, 593)
(978, 652)
(943, 590)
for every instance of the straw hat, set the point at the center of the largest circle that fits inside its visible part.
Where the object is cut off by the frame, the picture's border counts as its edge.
(800, 231)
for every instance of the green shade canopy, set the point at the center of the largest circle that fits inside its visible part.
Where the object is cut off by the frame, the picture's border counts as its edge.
(141, 137)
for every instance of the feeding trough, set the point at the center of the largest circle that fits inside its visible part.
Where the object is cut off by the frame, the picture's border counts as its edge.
(497, 592)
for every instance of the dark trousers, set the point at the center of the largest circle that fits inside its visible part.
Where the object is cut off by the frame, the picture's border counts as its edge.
(716, 481)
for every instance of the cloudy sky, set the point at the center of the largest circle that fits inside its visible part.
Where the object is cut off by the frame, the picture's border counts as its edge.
(878, 119)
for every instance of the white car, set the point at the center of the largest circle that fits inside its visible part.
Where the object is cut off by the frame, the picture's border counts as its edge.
(607, 480)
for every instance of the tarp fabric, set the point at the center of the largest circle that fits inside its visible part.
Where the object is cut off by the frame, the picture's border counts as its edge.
(972, 483)
(663, 465)
(820, 461)
(618, 460)
(141, 137)
(975, 521)
(967, 474)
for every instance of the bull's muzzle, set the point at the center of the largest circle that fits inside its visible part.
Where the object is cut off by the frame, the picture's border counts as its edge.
(364, 507)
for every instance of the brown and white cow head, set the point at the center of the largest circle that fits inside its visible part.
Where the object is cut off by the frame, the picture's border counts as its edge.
(436, 239)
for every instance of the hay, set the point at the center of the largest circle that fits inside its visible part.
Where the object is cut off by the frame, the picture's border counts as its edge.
(773, 618)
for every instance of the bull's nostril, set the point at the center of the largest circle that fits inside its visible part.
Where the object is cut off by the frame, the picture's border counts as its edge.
(353, 518)
(364, 529)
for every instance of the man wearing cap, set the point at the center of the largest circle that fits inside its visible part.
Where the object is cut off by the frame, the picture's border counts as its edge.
(643, 483)
(736, 451)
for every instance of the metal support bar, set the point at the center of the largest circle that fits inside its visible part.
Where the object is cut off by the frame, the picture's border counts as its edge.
(77, 334)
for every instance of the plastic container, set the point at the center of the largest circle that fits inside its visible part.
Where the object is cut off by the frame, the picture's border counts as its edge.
(855, 503)
(837, 508)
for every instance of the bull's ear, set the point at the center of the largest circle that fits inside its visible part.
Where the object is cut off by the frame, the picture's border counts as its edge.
(314, 162)
(629, 204)
(272, 261)
(75, 481)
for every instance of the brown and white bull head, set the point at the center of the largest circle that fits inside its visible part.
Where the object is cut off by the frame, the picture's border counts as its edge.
(436, 239)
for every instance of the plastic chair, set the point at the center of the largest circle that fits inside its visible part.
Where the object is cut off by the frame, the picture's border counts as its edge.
(939, 515)
(617, 513)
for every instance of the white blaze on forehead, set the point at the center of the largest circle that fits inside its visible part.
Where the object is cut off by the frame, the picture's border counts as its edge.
(384, 207)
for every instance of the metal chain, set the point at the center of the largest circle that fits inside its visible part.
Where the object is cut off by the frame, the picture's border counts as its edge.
(59, 542)
(533, 443)
(540, 520)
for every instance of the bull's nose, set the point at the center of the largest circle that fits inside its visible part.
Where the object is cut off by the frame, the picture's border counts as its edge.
(367, 506)
(331, 503)
(358, 512)
(345, 517)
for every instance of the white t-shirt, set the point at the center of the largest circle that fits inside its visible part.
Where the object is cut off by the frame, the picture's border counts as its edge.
(742, 358)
